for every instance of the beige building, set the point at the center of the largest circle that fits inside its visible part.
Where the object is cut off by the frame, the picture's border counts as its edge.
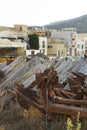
(10, 49)
(56, 47)
(40, 32)
(82, 36)
(21, 28)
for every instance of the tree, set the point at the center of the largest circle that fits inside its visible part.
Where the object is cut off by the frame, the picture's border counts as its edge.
(33, 41)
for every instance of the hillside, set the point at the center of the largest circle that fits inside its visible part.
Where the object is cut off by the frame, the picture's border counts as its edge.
(79, 23)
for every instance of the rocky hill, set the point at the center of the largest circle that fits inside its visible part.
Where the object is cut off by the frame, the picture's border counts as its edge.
(79, 23)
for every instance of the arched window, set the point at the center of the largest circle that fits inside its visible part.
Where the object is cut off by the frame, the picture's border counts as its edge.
(43, 44)
(82, 46)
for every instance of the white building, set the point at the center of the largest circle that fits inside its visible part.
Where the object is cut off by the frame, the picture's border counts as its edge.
(69, 29)
(43, 45)
(70, 37)
(32, 52)
(80, 47)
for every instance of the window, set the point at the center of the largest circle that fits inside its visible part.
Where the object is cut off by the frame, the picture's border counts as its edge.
(46, 34)
(40, 50)
(20, 28)
(82, 46)
(58, 53)
(28, 46)
(78, 45)
(43, 51)
(32, 53)
(43, 44)
(50, 46)
(62, 52)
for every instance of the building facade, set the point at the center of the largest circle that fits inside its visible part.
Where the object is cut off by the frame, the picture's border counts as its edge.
(56, 47)
(43, 45)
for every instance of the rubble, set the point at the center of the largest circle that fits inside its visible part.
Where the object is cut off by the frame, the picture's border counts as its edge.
(30, 83)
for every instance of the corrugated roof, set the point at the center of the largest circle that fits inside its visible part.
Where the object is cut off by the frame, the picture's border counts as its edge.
(8, 43)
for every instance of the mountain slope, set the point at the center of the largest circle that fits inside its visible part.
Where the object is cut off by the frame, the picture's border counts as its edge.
(79, 23)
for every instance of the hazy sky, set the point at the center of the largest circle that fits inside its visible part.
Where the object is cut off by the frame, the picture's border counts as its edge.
(39, 12)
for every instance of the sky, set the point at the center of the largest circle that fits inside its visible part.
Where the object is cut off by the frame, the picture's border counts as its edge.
(39, 12)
